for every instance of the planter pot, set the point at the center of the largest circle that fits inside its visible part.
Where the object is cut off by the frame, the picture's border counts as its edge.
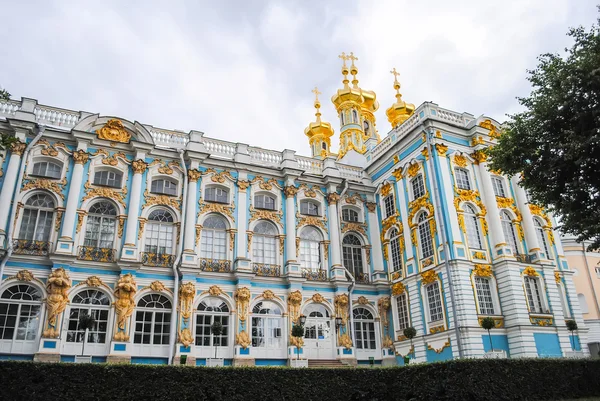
(497, 354)
(299, 363)
(215, 362)
(83, 359)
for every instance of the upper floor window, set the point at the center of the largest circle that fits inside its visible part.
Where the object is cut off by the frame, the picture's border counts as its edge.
(366, 127)
(541, 236)
(101, 225)
(309, 208)
(352, 255)
(343, 117)
(47, 169)
(418, 187)
(389, 208)
(159, 232)
(498, 185)
(583, 303)
(395, 254)
(535, 297)
(264, 202)
(108, 178)
(264, 247)
(485, 299)
(323, 146)
(425, 236)
(310, 248)
(354, 116)
(219, 195)
(214, 238)
(36, 224)
(349, 215)
(403, 315)
(508, 228)
(434, 302)
(162, 186)
(462, 178)
(472, 228)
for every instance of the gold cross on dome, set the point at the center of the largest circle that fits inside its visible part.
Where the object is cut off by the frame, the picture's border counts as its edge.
(316, 92)
(352, 57)
(395, 73)
(344, 57)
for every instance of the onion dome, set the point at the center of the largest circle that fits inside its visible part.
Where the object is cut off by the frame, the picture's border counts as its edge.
(319, 133)
(399, 111)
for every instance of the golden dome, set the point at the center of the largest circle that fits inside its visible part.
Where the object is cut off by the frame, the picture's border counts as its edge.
(347, 93)
(399, 111)
(318, 128)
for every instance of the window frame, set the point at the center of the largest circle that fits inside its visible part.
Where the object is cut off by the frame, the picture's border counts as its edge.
(405, 316)
(483, 305)
(33, 314)
(112, 224)
(150, 229)
(222, 245)
(97, 310)
(472, 228)
(308, 204)
(389, 205)
(364, 326)
(48, 219)
(508, 224)
(224, 317)
(350, 215)
(395, 250)
(430, 307)
(498, 186)
(213, 192)
(263, 244)
(311, 244)
(353, 253)
(264, 196)
(424, 227)
(45, 174)
(530, 296)
(542, 237)
(165, 312)
(99, 173)
(462, 178)
(172, 184)
(419, 188)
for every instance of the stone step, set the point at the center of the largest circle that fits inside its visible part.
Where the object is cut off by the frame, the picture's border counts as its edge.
(326, 363)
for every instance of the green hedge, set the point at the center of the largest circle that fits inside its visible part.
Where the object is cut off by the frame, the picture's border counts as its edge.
(455, 380)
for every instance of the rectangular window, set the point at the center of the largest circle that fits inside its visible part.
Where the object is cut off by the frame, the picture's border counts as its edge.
(8, 320)
(310, 255)
(108, 178)
(164, 187)
(484, 296)
(47, 169)
(159, 239)
(349, 215)
(216, 195)
(213, 244)
(434, 302)
(389, 206)
(534, 295)
(403, 316)
(462, 178)
(309, 208)
(418, 187)
(498, 185)
(264, 202)
(426, 240)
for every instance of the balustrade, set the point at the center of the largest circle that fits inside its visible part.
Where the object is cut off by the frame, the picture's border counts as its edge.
(215, 265)
(96, 254)
(157, 259)
(31, 247)
(261, 269)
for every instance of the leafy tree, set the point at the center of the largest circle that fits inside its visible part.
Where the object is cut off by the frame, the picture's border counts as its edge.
(4, 94)
(488, 324)
(572, 326)
(298, 332)
(555, 143)
(410, 333)
(5, 139)
(85, 322)
(216, 329)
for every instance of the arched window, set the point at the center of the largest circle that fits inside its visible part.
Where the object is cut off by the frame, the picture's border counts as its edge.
(508, 228)
(108, 178)
(535, 296)
(215, 194)
(152, 320)
(403, 314)
(462, 178)
(309, 208)
(214, 238)
(425, 236)
(318, 322)
(267, 322)
(262, 201)
(364, 329)
(418, 187)
(541, 236)
(354, 116)
(472, 226)
(434, 303)
(264, 243)
(350, 215)
(101, 224)
(498, 185)
(36, 224)
(310, 249)
(20, 307)
(159, 232)
(96, 304)
(323, 146)
(47, 169)
(342, 118)
(485, 300)
(352, 254)
(212, 310)
(163, 186)
(395, 253)
(583, 303)
(366, 127)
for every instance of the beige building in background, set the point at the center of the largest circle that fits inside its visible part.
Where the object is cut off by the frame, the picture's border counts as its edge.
(586, 276)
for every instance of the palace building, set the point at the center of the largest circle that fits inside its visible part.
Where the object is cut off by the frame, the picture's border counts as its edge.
(158, 234)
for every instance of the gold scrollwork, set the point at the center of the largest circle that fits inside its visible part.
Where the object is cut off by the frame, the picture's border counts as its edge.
(104, 193)
(139, 166)
(164, 200)
(386, 189)
(114, 131)
(530, 271)
(482, 270)
(362, 300)
(80, 215)
(398, 289)
(142, 223)
(265, 184)
(243, 185)
(198, 233)
(428, 277)
(81, 156)
(413, 169)
(479, 156)
(218, 177)
(242, 339)
(397, 174)
(249, 234)
(187, 292)
(50, 185)
(59, 214)
(371, 207)
(357, 227)
(309, 192)
(557, 277)
(290, 191)
(57, 287)
(281, 244)
(122, 219)
(124, 305)
(294, 302)
(487, 124)
(242, 298)
(384, 304)
(208, 207)
(441, 149)
(460, 160)
(193, 175)
(17, 148)
(311, 221)
(333, 198)
(24, 275)
(498, 321)
(258, 214)
(318, 298)
(94, 281)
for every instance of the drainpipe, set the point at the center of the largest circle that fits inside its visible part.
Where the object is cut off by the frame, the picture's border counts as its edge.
(13, 213)
(438, 211)
(348, 274)
(173, 331)
(589, 276)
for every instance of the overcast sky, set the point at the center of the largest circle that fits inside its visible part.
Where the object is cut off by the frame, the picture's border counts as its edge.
(243, 71)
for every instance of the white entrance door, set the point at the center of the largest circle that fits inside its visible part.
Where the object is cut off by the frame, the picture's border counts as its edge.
(319, 334)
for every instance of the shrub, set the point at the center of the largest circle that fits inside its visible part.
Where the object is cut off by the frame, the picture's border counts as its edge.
(495, 379)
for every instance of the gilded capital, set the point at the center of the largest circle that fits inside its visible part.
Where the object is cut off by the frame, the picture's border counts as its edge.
(479, 156)
(139, 166)
(371, 206)
(17, 148)
(193, 175)
(441, 149)
(81, 156)
(243, 185)
(333, 198)
(290, 191)
(397, 174)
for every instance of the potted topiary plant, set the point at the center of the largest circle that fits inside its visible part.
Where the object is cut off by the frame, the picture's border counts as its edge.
(85, 322)
(410, 333)
(488, 323)
(572, 326)
(216, 329)
(298, 341)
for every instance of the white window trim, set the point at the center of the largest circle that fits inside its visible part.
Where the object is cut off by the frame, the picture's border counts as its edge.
(428, 322)
(494, 293)
(544, 298)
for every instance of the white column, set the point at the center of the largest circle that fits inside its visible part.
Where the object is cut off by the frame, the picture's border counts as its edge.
(133, 212)
(80, 157)
(8, 187)
(290, 221)
(493, 213)
(446, 181)
(405, 227)
(522, 204)
(375, 235)
(334, 230)
(242, 217)
(189, 242)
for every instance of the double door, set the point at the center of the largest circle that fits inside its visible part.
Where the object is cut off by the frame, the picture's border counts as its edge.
(319, 338)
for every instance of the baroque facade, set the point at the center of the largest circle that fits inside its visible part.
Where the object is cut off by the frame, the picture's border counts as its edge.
(158, 234)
